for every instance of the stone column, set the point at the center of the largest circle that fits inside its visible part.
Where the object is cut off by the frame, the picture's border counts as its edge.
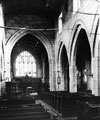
(96, 65)
(73, 79)
(98, 38)
(51, 76)
(94, 80)
(43, 70)
(0, 86)
(2, 40)
(7, 65)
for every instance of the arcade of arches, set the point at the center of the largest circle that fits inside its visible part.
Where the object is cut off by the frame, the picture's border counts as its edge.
(66, 60)
(55, 52)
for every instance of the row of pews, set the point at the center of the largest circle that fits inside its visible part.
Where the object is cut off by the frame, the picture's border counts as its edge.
(81, 105)
(22, 107)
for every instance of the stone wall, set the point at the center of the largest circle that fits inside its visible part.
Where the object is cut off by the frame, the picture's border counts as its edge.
(85, 18)
(28, 22)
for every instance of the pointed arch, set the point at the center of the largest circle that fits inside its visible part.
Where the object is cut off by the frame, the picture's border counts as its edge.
(81, 60)
(63, 67)
(19, 34)
(41, 37)
(77, 26)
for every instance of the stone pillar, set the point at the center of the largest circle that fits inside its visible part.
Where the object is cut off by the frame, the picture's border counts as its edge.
(43, 70)
(89, 79)
(54, 76)
(98, 38)
(2, 40)
(0, 87)
(96, 65)
(99, 77)
(73, 79)
(51, 79)
(94, 80)
(7, 66)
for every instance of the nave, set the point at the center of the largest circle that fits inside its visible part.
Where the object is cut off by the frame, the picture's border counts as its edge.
(74, 106)
(22, 107)
(50, 106)
(49, 60)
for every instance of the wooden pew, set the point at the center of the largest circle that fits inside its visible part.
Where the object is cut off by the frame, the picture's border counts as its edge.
(62, 101)
(24, 108)
(89, 111)
(14, 109)
(16, 99)
(69, 104)
(23, 114)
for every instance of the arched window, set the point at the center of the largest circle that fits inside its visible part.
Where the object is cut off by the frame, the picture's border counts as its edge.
(76, 5)
(60, 22)
(25, 64)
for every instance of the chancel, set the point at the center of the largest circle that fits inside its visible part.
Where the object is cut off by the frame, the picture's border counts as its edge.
(49, 60)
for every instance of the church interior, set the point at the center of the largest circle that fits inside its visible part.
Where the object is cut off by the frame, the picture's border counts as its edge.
(49, 60)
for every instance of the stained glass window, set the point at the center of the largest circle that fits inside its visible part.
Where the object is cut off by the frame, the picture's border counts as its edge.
(25, 64)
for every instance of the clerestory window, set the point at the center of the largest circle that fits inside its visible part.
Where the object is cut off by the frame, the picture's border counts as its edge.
(60, 23)
(76, 5)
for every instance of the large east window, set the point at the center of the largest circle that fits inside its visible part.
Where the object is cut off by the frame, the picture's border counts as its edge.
(25, 64)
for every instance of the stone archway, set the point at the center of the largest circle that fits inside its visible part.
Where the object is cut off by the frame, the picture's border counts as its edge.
(80, 70)
(63, 68)
(83, 62)
(18, 35)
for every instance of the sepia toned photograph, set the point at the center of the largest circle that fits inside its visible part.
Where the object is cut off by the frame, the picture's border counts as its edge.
(49, 60)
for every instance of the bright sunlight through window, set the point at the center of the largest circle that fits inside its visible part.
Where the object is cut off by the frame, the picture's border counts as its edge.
(25, 65)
